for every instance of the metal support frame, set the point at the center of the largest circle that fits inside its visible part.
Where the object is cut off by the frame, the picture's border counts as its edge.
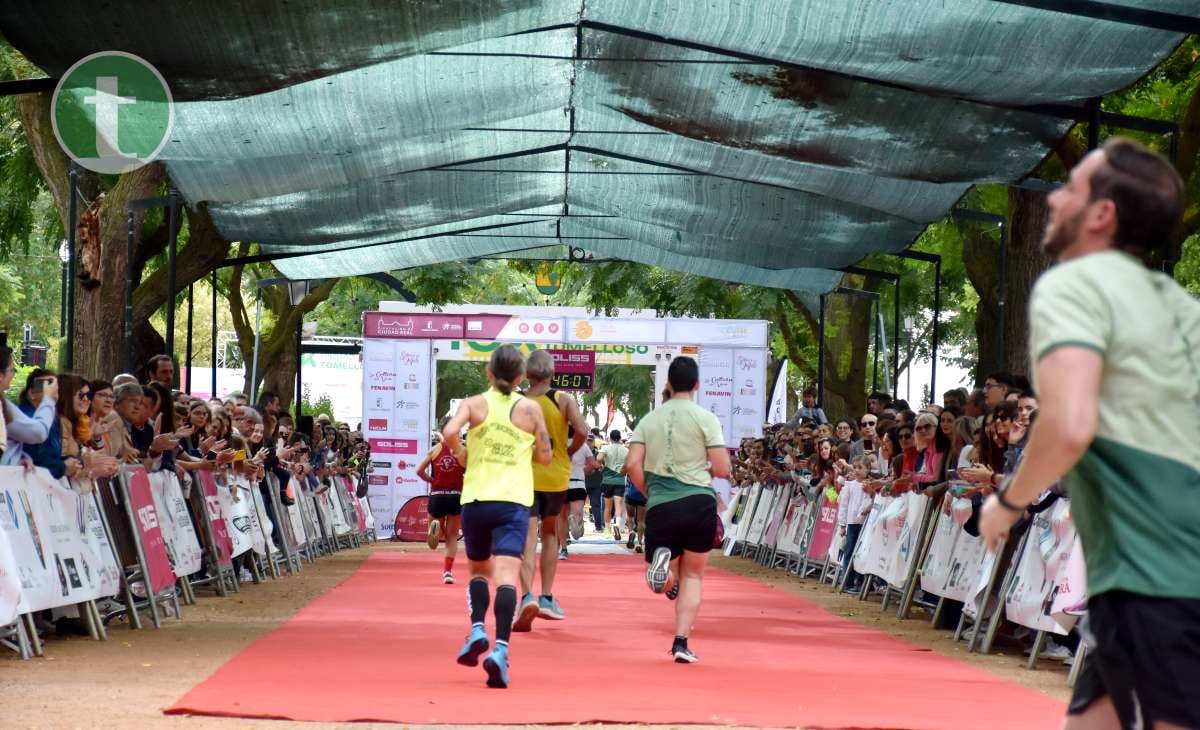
(172, 290)
(936, 260)
(188, 351)
(1114, 13)
(213, 362)
(821, 356)
(299, 362)
(129, 292)
(69, 295)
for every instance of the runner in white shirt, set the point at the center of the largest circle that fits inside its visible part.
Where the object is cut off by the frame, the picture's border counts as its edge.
(583, 462)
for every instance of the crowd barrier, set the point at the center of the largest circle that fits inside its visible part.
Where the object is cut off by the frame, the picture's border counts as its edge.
(912, 542)
(143, 543)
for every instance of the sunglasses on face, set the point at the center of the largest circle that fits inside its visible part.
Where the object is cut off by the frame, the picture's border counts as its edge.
(866, 424)
(926, 427)
(906, 435)
(84, 395)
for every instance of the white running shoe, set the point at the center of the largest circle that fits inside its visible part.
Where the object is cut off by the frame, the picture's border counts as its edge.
(659, 569)
(447, 577)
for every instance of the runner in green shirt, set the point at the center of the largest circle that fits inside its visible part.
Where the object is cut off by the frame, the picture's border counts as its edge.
(673, 456)
(1113, 346)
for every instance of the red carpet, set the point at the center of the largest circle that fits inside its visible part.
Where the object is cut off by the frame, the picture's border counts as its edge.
(381, 646)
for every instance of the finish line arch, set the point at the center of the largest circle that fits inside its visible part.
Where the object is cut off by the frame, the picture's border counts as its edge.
(402, 345)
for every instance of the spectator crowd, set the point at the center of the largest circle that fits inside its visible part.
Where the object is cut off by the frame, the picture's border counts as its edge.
(79, 427)
(969, 443)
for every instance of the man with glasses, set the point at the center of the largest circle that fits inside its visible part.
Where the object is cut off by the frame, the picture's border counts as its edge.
(996, 389)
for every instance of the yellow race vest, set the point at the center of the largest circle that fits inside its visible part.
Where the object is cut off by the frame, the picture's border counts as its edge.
(553, 477)
(499, 456)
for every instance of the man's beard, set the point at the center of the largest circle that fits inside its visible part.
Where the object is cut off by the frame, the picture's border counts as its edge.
(1059, 239)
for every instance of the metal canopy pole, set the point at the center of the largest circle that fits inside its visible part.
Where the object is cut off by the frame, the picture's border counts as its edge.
(257, 340)
(299, 382)
(213, 362)
(821, 356)
(72, 218)
(172, 245)
(895, 279)
(129, 293)
(188, 352)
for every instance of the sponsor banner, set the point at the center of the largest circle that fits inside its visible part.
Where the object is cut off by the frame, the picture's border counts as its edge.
(749, 377)
(628, 353)
(507, 327)
(771, 539)
(1030, 597)
(236, 510)
(762, 515)
(743, 513)
(716, 387)
(146, 521)
(365, 506)
(637, 331)
(1070, 601)
(394, 446)
(730, 333)
(332, 507)
(411, 523)
(216, 516)
(295, 520)
(412, 326)
(892, 535)
(795, 523)
(53, 549)
(823, 530)
(183, 549)
(953, 564)
(349, 484)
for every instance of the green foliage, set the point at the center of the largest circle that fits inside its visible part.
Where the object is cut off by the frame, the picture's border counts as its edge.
(631, 388)
(317, 407)
(458, 380)
(18, 381)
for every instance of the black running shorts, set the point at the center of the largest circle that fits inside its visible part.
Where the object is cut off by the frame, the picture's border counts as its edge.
(547, 504)
(444, 504)
(576, 494)
(614, 490)
(682, 524)
(1145, 657)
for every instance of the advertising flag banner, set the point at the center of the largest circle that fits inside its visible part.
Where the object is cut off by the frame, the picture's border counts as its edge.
(716, 387)
(824, 529)
(146, 521)
(777, 411)
(749, 396)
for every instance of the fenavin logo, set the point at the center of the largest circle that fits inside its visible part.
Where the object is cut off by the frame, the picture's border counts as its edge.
(112, 112)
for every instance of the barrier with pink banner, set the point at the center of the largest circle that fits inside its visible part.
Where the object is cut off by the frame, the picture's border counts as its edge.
(216, 516)
(823, 531)
(145, 520)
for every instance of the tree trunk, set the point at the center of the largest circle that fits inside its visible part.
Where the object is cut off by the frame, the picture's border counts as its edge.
(1025, 262)
(280, 378)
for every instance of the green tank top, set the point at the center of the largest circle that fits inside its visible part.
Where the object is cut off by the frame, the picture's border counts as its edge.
(499, 456)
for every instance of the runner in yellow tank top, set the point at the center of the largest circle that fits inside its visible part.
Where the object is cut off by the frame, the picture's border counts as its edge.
(507, 435)
(550, 490)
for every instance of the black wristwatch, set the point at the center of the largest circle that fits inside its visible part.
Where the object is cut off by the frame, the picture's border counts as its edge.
(1006, 504)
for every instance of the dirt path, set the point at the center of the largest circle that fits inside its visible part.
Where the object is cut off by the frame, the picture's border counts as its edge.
(128, 680)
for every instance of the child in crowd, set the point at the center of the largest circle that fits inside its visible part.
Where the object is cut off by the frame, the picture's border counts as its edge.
(854, 504)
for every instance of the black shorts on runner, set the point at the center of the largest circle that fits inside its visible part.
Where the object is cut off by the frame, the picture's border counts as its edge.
(547, 504)
(576, 494)
(444, 504)
(494, 528)
(613, 490)
(682, 524)
(1145, 657)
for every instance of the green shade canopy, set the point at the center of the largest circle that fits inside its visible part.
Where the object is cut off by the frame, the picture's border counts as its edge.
(760, 141)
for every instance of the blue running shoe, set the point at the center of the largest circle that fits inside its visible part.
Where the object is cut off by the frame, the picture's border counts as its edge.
(548, 608)
(526, 613)
(496, 666)
(477, 643)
